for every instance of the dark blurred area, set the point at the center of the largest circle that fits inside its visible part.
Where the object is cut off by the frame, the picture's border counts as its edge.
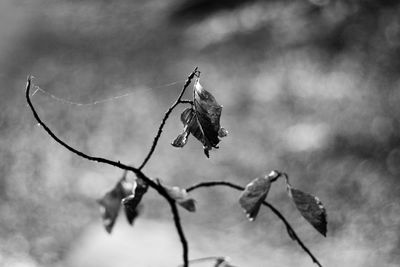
(308, 87)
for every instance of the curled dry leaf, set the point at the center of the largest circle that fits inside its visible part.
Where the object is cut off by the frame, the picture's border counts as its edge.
(132, 201)
(131, 215)
(253, 195)
(181, 139)
(181, 197)
(110, 204)
(310, 208)
(123, 192)
(202, 120)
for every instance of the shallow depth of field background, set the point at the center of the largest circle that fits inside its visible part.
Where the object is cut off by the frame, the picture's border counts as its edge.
(308, 87)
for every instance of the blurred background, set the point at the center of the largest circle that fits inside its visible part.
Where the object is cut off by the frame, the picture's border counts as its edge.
(308, 87)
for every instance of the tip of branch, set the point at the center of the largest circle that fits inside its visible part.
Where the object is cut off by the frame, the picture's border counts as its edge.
(196, 72)
(28, 81)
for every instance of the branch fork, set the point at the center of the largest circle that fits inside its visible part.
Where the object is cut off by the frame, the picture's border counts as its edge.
(154, 183)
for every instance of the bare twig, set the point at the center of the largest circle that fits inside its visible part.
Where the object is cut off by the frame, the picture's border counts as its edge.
(166, 115)
(117, 164)
(289, 228)
(153, 184)
(185, 101)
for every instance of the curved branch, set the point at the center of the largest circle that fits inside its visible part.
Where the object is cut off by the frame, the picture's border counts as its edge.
(166, 115)
(117, 164)
(289, 228)
(179, 229)
(68, 147)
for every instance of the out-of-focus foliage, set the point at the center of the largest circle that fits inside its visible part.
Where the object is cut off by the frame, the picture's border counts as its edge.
(181, 197)
(308, 87)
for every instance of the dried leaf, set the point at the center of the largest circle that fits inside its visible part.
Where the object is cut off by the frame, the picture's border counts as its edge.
(202, 120)
(310, 208)
(181, 197)
(110, 205)
(208, 113)
(253, 195)
(181, 139)
(132, 215)
(131, 202)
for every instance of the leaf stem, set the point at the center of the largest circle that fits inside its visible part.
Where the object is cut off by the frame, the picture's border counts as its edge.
(186, 101)
(289, 228)
(195, 72)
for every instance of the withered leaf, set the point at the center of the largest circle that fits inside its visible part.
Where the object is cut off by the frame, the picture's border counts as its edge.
(310, 208)
(110, 204)
(132, 201)
(202, 120)
(181, 197)
(131, 215)
(253, 195)
(181, 139)
(208, 112)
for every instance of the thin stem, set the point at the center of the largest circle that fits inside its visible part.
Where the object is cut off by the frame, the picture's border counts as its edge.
(185, 101)
(179, 229)
(117, 164)
(289, 228)
(178, 224)
(166, 115)
(216, 183)
(68, 147)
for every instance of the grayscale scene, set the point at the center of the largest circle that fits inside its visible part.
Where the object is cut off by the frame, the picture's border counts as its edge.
(166, 133)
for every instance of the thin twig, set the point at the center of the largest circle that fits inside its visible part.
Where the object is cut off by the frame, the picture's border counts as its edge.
(73, 150)
(265, 203)
(117, 164)
(166, 115)
(179, 228)
(186, 101)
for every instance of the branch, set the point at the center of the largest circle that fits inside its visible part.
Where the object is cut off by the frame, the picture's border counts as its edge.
(289, 228)
(68, 147)
(117, 164)
(166, 115)
(179, 229)
(186, 101)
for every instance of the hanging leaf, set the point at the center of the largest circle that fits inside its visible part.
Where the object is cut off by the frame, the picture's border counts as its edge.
(132, 201)
(310, 208)
(181, 139)
(110, 204)
(202, 120)
(208, 113)
(181, 197)
(132, 215)
(253, 196)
